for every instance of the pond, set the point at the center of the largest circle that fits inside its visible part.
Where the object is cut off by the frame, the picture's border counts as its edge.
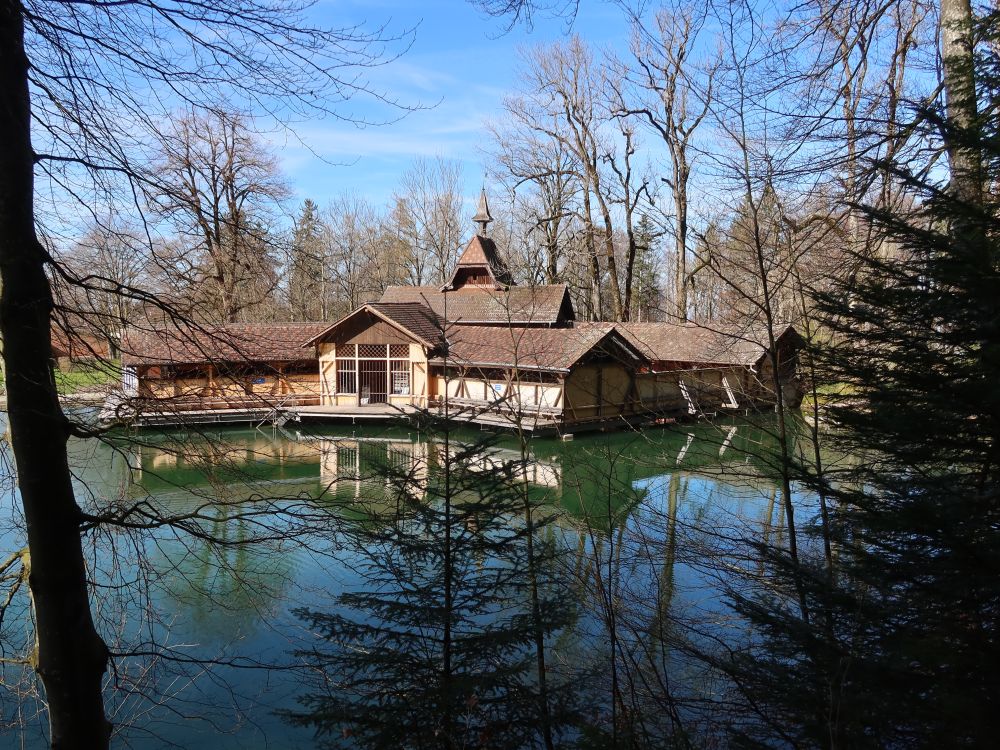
(280, 535)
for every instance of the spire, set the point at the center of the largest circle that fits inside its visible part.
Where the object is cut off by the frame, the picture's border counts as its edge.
(482, 217)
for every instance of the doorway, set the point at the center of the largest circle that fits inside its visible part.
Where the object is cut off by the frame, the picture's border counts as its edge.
(373, 379)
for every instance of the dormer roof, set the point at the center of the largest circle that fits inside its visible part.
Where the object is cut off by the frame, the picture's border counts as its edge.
(480, 265)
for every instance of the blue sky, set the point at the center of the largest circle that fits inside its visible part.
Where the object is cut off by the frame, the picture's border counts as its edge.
(460, 61)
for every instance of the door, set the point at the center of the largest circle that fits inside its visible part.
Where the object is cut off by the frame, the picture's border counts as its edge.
(373, 380)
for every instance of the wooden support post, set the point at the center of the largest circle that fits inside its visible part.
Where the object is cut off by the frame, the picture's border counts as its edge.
(600, 391)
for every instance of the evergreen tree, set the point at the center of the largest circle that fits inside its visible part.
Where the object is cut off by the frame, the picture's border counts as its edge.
(306, 292)
(436, 646)
(905, 630)
(647, 295)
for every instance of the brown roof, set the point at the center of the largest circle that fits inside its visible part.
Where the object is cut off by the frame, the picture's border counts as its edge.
(413, 317)
(696, 344)
(76, 343)
(528, 305)
(552, 349)
(235, 342)
(481, 251)
(481, 254)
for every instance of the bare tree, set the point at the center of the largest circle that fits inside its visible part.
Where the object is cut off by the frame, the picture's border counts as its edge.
(84, 88)
(430, 221)
(360, 261)
(672, 96)
(523, 11)
(561, 102)
(116, 255)
(547, 171)
(631, 184)
(220, 188)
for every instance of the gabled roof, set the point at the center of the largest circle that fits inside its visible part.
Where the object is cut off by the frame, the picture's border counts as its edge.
(413, 318)
(528, 305)
(236, 342)
(548, 349)
(691, 343)
(480, 257)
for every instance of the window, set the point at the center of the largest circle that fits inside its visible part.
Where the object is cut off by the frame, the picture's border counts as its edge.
(347, 376)
(400, 374)
(374, 371)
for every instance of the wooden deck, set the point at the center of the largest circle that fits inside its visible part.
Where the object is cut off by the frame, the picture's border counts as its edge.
(506, 420)
(279, 415)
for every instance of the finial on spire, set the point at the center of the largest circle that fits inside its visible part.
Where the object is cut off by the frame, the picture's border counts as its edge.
(482, 217)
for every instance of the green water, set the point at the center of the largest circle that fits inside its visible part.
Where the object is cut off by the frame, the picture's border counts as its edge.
(218, 614)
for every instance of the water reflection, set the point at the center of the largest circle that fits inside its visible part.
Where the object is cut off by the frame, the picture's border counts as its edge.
(438, 643)
(641, 523)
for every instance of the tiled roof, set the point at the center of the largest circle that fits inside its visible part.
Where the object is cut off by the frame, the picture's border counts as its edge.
(414, 317)
(76, 343)
(481, 253)
(235, 342)
(528, 305)
(696, 344)
(553, 349)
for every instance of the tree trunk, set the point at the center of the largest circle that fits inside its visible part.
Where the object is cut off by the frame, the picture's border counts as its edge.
(609, 241)
(627, 303)
(70, 657)
(552, 251)
(960, 89)
(595, 268)
(680, 245)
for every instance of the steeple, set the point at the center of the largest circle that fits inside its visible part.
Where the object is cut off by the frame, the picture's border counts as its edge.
(479, 265)
(482, 217)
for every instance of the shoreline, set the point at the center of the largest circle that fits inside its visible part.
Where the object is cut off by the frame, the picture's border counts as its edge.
(87, 398)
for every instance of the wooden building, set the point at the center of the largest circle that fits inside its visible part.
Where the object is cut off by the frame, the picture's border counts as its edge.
(188, 367)
(481, 346)
(378, 354)
(700, 368)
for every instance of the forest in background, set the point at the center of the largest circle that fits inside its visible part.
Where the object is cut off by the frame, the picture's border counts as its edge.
(832, 164)
(726, 153)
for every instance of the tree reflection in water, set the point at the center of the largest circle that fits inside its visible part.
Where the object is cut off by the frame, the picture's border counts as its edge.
(421, 626)
(435, 647)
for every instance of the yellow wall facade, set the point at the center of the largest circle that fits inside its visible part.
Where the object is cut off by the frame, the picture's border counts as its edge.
(419, 383)
(216, 391)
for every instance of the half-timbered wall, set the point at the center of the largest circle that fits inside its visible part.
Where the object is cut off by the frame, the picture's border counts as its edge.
(530, 392)
(220, 386)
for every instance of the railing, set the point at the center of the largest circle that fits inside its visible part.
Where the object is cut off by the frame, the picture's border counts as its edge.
(504, 407)
(213, 403)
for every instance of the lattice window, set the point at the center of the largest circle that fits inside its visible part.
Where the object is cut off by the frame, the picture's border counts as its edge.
(400, 375)
(399, 351)
(347, 350)
(347, 376)
(371, 350)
